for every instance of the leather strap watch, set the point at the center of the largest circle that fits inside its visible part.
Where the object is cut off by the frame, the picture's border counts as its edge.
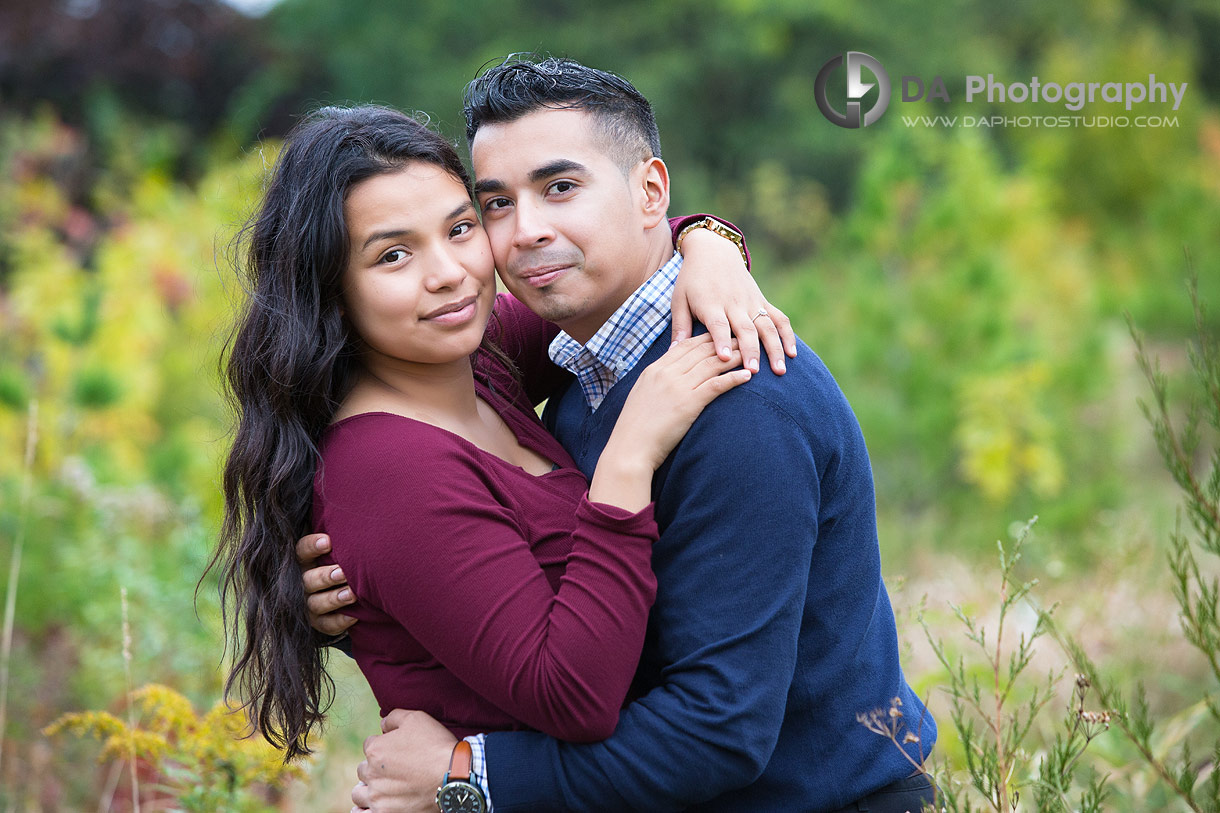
(459, 793)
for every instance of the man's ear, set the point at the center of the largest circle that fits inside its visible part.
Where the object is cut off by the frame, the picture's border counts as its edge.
(653, 188)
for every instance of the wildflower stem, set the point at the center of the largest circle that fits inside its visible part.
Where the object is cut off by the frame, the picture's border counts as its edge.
(1002, 784)
(1157, 765)
(1171, 447)
(131, 712)
(112, 784)
(14, 568)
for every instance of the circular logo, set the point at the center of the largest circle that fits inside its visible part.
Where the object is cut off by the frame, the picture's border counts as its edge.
(856, 89)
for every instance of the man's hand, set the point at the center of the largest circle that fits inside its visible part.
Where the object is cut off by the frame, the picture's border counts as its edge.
(326, 587)
(403, 766)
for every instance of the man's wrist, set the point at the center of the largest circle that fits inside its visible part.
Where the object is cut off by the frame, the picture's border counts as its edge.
(478, 766)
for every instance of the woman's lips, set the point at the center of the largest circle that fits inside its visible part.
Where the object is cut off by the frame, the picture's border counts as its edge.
(456, 314)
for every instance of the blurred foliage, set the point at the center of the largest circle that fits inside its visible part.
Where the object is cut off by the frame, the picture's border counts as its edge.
(96, 61)
(1169, 747)
(965, 286)
(994, 707)
(204, 763)
(114, 324)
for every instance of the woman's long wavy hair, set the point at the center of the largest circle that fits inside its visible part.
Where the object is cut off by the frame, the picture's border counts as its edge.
(291, 360)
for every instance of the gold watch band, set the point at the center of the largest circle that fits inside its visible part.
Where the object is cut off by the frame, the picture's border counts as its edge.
(715, 226)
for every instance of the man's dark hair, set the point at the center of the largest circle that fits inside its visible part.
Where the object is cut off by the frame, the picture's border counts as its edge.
(521, 85)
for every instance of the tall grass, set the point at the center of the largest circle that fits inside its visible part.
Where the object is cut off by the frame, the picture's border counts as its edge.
(14, 567)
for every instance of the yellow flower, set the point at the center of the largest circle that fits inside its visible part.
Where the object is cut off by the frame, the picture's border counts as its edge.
(170, 734)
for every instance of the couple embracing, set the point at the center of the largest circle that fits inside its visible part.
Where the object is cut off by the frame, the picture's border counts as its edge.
(665, 594)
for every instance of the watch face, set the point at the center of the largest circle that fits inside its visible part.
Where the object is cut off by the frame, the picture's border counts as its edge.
(460, 797)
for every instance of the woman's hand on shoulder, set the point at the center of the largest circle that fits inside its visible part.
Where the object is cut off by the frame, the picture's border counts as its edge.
(715, 288)
(672, 392)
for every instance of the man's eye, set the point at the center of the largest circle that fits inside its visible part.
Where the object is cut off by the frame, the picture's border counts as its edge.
(394, 255)
(560, 187)
(495, 203)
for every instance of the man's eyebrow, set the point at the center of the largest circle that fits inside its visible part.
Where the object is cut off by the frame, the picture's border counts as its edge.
(490, 185)
(559, 166)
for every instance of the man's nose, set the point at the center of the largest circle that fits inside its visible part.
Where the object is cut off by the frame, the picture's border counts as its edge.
(532, 227)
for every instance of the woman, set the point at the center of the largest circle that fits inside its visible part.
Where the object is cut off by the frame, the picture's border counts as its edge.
(497, 588)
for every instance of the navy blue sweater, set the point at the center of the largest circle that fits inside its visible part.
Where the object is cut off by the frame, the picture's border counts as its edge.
(771, 630)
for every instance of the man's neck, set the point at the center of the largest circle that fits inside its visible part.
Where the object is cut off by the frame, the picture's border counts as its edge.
(658, 250)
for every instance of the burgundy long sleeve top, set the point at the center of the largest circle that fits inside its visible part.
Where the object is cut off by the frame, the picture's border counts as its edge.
(488, 597)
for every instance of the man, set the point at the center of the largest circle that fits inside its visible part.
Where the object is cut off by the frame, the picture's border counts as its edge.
(772, 629)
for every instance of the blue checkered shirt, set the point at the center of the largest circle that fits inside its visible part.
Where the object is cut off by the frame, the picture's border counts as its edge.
(622, 341)
(478, 766)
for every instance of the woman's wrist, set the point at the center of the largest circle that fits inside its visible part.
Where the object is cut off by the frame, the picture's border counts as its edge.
(707, 242)
(708, 236)
(623, 478)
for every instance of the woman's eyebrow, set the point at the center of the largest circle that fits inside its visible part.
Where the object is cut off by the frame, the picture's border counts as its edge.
(395, 234)
(398, 234)
(461, 209)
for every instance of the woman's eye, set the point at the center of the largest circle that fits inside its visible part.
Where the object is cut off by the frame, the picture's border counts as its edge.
(393, 256)
(461, 229)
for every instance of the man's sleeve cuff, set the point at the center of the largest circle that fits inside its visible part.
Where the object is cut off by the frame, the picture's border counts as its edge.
(478, 765)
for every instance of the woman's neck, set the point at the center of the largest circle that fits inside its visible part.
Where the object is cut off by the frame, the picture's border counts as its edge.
(441, 394)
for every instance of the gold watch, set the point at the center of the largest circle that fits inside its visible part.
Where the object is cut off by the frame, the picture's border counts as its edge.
(713, 225)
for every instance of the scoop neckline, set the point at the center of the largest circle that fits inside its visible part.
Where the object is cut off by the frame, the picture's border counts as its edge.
(478, 450)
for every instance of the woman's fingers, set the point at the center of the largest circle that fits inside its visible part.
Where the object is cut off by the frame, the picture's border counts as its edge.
(747, 336)
(770, 328)
(719, 384)
(721, 331)
(688, 353)
(682, 323)
(767, 328)
(783, 331)
(708, 369)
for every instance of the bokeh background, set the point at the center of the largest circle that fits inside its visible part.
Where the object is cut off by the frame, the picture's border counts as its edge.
(967, 287)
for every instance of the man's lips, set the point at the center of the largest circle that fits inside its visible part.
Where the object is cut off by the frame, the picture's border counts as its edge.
(543, 275)
(454, 312)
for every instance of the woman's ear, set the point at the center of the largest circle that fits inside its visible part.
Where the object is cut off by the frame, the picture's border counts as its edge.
(653, 187)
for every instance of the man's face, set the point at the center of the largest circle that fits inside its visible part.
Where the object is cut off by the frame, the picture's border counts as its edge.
(567, 228)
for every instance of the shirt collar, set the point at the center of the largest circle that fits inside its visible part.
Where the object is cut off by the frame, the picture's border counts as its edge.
(621, 342)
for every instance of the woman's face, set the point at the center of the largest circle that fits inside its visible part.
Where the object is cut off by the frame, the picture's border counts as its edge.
(420, 279)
